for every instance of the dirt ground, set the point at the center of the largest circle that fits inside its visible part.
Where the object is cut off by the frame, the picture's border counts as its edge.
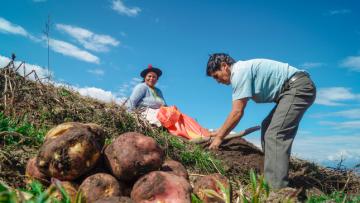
(240, 156)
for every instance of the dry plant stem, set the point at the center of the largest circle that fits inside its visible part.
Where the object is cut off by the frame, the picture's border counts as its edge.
(227, 137)
(196, 174)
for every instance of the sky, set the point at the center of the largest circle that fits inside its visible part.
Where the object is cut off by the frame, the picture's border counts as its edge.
(99, 48)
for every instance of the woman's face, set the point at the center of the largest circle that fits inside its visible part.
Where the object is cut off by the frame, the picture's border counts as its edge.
(151, 79)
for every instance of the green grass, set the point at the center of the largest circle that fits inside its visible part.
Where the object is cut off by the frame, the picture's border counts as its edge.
(34, 193)
(257, 191)
(20, 131)
(191, 154)
(337, 196)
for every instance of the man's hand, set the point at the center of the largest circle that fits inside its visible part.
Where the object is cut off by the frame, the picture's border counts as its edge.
(216, 143)
(213, 133)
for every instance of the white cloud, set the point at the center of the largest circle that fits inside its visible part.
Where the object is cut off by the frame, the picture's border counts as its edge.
(71, 50)
(323, 149)
(346, 125)
(309, 65)
(338, 12)
(99, 94)
(62, 47)
(8, 27)
(351, 114)
(120, 8)
(88, 39)
(352, 62)
(126, 88)
(98, 72)
(26, 69)
(332, 96)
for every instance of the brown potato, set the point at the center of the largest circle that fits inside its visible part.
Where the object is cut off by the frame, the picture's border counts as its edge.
(175, 168)
(132, 155)
(114, 200)
(99, 186)
(70, 150)
(158, 186)
(210, 182)
(32, 172)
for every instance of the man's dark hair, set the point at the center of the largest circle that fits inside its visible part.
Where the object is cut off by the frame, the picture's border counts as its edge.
(215, 61)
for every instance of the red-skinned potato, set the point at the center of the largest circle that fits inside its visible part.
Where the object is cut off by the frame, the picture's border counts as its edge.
(175, 168)
(210, 182)
(132, 155)
(32, 172)
(158, 186)
(100, 185)
(70, 150)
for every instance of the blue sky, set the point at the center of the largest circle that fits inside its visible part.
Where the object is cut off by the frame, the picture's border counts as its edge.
(100, 47)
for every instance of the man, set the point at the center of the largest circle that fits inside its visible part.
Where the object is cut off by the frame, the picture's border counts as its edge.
(264, 81)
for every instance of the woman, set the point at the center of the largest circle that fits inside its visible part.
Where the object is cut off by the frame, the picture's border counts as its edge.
(150, 101)
(146, 97)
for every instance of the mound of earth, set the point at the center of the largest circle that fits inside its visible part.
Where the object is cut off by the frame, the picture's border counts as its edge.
(240, 156)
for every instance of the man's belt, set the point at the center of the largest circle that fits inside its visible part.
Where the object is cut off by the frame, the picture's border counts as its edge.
(297, 75)
(292, 79)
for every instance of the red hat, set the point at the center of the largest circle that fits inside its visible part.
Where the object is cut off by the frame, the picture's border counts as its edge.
(150, 68)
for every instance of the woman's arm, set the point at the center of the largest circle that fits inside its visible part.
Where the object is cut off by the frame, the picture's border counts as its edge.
(161, 96)
(137, 94)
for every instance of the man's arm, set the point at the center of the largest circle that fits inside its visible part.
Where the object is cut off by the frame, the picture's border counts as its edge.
(231, 121)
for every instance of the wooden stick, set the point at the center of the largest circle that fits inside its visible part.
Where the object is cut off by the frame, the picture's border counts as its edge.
(227, 137)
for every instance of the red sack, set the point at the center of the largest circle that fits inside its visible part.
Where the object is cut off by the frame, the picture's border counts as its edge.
(180, 124)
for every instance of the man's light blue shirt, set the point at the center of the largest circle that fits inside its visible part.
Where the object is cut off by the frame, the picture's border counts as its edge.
(259, 79)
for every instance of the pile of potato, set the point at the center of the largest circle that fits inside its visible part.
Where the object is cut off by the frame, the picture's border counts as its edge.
(130, 169)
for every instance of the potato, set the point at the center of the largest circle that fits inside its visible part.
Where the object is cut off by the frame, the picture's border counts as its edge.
(70, 188)
(114, 199)
(210, 182)
(32, 172)
(132, 155)
(70, 150)
(100, 167)
(175, 168)
(158, 186)
(99, 186)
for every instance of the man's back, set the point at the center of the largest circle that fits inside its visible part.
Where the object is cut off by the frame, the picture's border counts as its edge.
(259, 79)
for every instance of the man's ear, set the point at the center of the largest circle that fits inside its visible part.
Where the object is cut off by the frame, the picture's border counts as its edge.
(223, 66)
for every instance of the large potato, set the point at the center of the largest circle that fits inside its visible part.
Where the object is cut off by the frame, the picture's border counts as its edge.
(70, 150)
(98, 186)
(159, 186)
(211, 182)
(132, 155)
(32, 172)
(175, 168)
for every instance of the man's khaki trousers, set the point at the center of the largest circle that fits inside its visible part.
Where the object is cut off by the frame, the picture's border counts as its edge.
(280, 126)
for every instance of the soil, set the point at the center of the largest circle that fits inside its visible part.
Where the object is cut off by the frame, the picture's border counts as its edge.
(240, 156)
